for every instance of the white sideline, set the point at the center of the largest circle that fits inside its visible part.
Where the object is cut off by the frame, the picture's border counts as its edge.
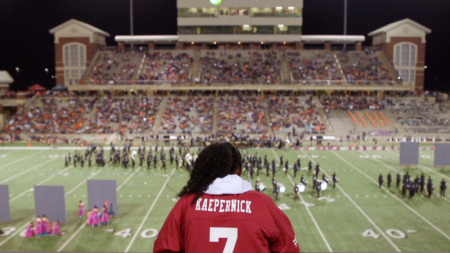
(309, 212)
(362, 212)
(43, 181)
(394, 196)
(25, 171)
(84, 224)
(149, 211)
(26, 157)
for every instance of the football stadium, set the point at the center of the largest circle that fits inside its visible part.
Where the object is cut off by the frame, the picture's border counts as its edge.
(343, 139)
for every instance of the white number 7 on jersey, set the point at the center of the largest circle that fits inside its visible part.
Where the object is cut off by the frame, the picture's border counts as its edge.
(230, 233)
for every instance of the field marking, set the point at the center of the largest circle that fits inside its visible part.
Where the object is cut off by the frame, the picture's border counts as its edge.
(25, 171)
(406, 205)
(70, 239)
(149, 211)
(307, 209)
(26, 157)
(84, 224)
(15, 233)
(390, 167)
(43, 181)
(362, 212)
(85, 180)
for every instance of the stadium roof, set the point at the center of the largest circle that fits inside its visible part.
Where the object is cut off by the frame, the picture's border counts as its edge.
(82, 24)
(5, 77)
(333, 38)
(394, 25)
(131, 39)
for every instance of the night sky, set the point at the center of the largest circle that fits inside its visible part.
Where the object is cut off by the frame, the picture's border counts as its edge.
(27, 44)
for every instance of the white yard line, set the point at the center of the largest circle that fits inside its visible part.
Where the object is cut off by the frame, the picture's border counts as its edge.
(360, 210)
(91, 176)
(387, 166)
(25, 171)
(26, 157)
(15, 233)
(149, 211)
(309, 212)
(40, 183)
(394, 196)
(84, 224)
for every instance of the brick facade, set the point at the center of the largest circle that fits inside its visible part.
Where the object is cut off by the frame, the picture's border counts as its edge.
(388, 47)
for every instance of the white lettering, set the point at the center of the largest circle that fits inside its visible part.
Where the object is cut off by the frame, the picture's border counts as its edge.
(242, 209)
(221, 206)
(197, 206)
(205, 205)
(216, 204)
(233, 205)
(248, 203)
(228, 203)
(210, 205)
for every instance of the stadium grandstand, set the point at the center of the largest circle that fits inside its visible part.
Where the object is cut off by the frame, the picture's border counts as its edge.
(240, 72)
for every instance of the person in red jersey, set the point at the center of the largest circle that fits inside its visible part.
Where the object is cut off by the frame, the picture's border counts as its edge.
(218, 211)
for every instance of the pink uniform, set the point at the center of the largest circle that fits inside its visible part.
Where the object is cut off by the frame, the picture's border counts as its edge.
(30, 231)
(90, 217)
(81, 209)
(38, 226)
(55, 229)
(105, 217)
(95, 218)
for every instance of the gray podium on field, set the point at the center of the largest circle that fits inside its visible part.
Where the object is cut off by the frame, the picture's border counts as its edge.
(5, 214)
(100, 191)
(442, 154)
(409, 153)
(49, 200)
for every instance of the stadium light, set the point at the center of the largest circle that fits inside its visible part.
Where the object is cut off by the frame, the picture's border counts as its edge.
(284, 42)
(425, 67)
(215, 42)
(291, 8)
(192, 43)
(46, 70)
(280, 26)
(262, 42)
(279, 8)
(239, 42)
(246, 26)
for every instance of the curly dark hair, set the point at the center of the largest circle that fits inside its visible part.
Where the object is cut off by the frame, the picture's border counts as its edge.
(215, 161)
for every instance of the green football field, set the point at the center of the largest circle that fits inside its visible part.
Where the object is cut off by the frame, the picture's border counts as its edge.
(355, 216)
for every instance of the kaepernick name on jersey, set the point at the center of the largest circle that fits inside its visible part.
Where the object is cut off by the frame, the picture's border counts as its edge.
(223, 206)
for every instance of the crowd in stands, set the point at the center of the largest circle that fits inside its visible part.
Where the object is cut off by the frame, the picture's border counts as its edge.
(49, 115)
(288, 113)
(187, 115)
(120, 114)
(310, 69)
(166, 67)
(364, 68)
(240, 68)
(351, 103)
(241, 114)
(115, 68)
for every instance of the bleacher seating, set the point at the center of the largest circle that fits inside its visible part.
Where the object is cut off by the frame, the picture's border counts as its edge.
(287, 113)
(187, 115)
(240, 67)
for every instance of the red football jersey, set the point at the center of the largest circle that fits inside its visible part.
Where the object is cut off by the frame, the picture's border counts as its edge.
(247, 222)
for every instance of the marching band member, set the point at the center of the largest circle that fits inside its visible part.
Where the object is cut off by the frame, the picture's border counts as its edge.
(430, 187)
(398, 179)
(81, 209)
(105, 218)
(335, 180)
(380, 180)
(443, 187)
(389, 179)
(309, 167)
(30, 231)
(296, 192)
(55, 228)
